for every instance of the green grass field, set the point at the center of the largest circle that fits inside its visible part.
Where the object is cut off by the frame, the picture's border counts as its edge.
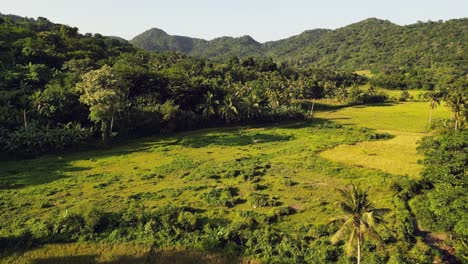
(298, 165)
(406, 117)
(406, 122)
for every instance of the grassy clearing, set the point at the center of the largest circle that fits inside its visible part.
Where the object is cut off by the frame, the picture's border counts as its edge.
(406, 122)
(263, 168)
(406, 117)
(179, 169)
(396, 156)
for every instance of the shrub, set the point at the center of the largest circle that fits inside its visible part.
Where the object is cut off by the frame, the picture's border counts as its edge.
(95, 220)
(404, 221)
(68, 227)
(404, 96)
(219, 197)
(36, 140)
(261, 200)
(377, 136)
(187, 221)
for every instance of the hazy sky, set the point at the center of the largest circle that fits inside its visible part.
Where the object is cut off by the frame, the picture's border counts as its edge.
(262, 19)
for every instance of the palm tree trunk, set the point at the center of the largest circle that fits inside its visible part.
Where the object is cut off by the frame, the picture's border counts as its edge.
(104, 132)
(25, 120)
(430, 115)
(312, 109)
(111, 125)
(359, 248)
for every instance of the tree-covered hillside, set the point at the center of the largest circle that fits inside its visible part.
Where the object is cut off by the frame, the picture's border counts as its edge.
(374, 44)
(157, 40)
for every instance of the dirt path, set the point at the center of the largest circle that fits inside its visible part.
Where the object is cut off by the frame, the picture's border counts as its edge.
(436, 241)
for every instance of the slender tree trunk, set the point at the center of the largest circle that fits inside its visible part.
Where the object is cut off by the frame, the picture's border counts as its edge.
(359, 248)
(430, 115)
(104, 132)
(111, 125)
(25, 120)
(312, 109)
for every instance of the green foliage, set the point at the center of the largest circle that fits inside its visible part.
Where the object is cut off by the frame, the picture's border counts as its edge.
(56, 76)
(443, 206)
(404, 226)
(219, 197)
(360, 219)
(37, 140)
(261, 200)
(404, 96)
(399, 55)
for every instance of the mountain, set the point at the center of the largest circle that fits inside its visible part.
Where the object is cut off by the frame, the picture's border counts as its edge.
(369, 44)
(158, 40)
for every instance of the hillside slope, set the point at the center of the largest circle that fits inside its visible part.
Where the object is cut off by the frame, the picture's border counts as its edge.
(368, 44)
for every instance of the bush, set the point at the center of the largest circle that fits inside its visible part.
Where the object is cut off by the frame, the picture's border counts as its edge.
(286, 113)
(36, 140)
(68, 227)
(219, 197)
(404, 221)
(261, 200)
(404, 96)
(187, 221)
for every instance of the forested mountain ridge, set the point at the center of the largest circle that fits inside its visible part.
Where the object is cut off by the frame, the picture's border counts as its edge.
(158, 40)
(368, 44)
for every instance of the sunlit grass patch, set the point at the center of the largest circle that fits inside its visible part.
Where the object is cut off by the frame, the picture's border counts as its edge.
(396, 156)
(409, 117)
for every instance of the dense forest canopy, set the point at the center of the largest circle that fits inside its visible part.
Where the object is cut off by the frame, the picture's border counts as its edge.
(52, 77)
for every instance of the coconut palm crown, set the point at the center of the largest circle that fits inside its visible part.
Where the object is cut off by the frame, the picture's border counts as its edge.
(359, 220)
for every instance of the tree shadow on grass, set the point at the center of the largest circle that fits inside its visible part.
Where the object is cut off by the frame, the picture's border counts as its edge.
(16, 175)
(31, 172)
(91, 259)
(159, 257)
(232, 139)
(386, 104)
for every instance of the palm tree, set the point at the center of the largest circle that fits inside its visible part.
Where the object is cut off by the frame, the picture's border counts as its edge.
(228, 110)
(251, 106)
(456, 100)
(359, 220)
(434, 101)
(208, 107)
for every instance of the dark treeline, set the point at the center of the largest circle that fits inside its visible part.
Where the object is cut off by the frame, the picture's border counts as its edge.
(58, 88)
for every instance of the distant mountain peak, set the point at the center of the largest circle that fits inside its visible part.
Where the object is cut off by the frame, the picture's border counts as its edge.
(373, 21)
(157, 31)
(248, 40)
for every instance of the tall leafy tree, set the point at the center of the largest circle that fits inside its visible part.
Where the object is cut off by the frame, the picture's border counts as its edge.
(359, 220)
(105, 95)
